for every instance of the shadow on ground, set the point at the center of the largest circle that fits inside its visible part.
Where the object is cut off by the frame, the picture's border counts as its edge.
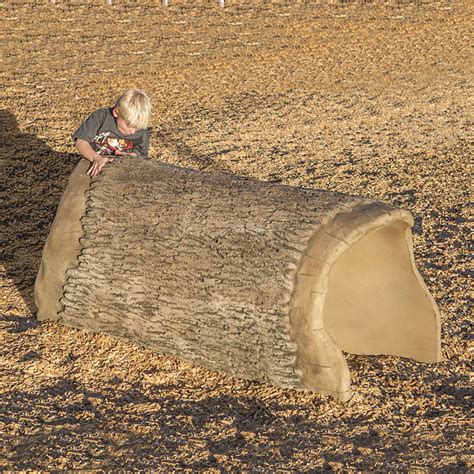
(32, 179)
(118, 425)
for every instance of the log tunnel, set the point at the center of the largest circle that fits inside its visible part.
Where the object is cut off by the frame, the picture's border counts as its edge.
(259, 280)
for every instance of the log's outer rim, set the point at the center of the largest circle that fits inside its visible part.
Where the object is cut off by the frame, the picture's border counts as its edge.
(320, 363)
(80, 247)
(49, 294)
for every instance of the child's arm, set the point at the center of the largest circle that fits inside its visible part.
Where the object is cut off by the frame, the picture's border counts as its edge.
(98, 161)
(85, 135)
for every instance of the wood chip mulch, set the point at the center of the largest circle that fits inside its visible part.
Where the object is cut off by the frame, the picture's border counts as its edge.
(361, 98)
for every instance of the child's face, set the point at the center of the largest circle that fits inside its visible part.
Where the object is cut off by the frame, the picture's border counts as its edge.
(122, 124)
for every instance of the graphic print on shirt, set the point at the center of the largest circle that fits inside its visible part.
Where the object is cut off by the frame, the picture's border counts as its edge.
(106, 143)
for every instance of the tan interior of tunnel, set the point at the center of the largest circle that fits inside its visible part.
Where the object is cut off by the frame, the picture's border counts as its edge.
(376, 301)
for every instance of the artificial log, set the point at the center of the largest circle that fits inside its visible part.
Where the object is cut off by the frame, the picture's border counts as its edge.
(259, 280)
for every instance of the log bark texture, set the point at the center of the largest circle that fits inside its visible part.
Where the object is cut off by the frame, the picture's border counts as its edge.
(234, 274)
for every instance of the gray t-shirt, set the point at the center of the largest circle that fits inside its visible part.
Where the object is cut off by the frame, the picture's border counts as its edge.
(101, 132)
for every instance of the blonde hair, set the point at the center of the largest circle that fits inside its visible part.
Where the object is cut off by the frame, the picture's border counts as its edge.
(134, 106)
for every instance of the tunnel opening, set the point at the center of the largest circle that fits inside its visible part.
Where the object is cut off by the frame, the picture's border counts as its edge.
(377, 303)
(357, 290)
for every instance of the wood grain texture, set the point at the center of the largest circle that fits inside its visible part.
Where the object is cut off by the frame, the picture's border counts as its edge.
(200, 266)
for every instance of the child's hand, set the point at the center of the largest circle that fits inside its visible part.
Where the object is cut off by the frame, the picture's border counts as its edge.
(130, 153)
(98, 162)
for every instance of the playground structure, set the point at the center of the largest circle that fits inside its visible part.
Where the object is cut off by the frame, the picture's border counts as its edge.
(258, 280)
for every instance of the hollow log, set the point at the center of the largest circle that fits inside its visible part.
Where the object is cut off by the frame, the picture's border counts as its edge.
(258, 280)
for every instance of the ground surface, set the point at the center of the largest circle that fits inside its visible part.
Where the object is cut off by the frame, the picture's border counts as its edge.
(363, 99)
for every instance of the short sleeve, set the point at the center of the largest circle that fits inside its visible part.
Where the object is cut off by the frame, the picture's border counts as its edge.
(141, 147)
(88, 130)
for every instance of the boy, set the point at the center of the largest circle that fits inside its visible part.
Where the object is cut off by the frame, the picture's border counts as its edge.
(120, 130)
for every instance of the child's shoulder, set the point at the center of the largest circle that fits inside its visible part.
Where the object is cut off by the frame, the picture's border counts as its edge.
(101, 117)
(102, 113)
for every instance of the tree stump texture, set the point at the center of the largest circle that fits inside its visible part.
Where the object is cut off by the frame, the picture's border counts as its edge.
(258, 280)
